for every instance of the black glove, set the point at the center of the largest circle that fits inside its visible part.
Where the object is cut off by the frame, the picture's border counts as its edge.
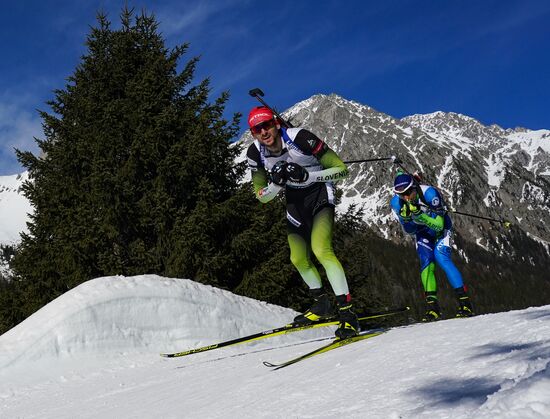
(278, 173)
(296, 173)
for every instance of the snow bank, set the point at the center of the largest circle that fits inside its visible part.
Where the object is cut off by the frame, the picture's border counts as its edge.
(136, 314)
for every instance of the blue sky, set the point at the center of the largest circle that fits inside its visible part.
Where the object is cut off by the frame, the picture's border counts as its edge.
(486, 59)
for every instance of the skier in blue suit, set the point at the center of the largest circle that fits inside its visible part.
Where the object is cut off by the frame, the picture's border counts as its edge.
(422, 214)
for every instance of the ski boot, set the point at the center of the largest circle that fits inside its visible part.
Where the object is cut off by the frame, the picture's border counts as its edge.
(349, 325)
(464, 303)
(433, 312)
(320, 310)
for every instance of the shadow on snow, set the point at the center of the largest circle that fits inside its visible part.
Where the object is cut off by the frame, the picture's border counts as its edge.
(537, 314)
(452, 391)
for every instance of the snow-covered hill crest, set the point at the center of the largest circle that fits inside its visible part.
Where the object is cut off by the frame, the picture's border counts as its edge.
(143, 313)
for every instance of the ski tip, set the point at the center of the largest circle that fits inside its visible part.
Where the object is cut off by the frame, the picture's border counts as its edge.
(169, 355)
(269, 364)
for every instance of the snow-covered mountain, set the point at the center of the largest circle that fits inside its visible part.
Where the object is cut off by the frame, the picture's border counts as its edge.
(481, 170)
(94, 353)
(14, 208)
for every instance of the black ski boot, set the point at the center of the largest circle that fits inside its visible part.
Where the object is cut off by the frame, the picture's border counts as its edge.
(349, 325)
(320, 310)
(433, 312)
(464, 304)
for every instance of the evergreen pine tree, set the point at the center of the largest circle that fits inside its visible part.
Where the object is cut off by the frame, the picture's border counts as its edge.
(129, 150)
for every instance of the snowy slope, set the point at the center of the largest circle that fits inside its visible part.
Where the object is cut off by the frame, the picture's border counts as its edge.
(534, 144)
(93, 353)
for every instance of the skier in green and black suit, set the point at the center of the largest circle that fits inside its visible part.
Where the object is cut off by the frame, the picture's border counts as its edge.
(296, 160)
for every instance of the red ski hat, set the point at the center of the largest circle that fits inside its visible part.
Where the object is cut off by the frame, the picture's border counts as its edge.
(258, 115)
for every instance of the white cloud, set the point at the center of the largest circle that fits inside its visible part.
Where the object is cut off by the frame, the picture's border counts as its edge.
(18, 127)
(173, 21)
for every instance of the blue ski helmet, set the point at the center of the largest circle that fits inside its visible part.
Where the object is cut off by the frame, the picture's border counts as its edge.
(402, 183)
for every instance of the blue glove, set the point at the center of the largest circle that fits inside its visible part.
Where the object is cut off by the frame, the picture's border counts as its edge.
(278, 173)
(296, 173)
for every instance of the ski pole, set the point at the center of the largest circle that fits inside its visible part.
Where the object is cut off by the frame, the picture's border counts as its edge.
(367, 160)
(398, 162)
(505, 223)
(258, 94)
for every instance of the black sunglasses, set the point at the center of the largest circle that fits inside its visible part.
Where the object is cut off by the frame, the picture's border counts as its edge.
(408, 192)
(257, 129)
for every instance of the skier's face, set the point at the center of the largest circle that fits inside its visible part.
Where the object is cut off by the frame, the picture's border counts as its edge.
(409, 196)
(267, 133)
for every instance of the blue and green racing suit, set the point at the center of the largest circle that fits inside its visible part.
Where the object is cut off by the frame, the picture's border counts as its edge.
(432, 230)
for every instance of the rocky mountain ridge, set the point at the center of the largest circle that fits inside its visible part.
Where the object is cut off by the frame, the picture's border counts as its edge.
(481, 170)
